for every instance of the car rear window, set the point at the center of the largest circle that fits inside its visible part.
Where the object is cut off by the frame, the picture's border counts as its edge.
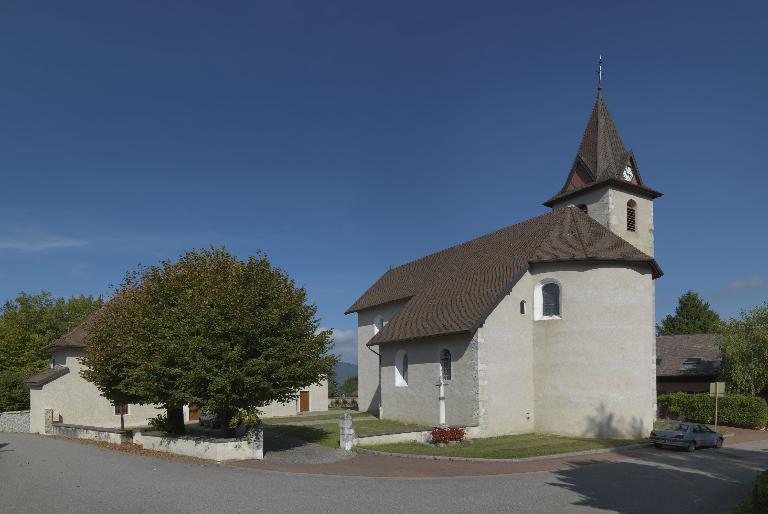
(678, 427)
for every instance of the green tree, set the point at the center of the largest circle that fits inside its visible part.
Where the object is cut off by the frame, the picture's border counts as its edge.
(744, 345)
(209, 329)
(27, 324)
(692, 316)
(349, 387)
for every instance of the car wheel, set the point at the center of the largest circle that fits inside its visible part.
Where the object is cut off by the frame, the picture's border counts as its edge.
(719, 443)
(691, 446)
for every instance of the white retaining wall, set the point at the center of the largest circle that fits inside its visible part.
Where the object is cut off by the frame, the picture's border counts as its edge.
(205, 448)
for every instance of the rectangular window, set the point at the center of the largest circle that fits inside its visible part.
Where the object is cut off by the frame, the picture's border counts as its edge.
(121, 408)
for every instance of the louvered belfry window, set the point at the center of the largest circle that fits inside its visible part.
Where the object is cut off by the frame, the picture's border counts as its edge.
(631, 216)
(550, 295)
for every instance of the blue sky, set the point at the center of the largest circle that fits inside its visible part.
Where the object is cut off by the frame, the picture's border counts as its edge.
(344, 137)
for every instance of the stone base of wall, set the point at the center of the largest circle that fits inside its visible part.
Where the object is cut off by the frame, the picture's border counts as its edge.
(240, 448)
(109, 435)
(402, 437)
(14, 421)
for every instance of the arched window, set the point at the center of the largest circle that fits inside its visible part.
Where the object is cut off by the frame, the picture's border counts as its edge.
(631, 216)
(401, 369)
(583, 208)
(522, 306)
(378, 324)
(445, 365)
(547, 300)
(550, 295)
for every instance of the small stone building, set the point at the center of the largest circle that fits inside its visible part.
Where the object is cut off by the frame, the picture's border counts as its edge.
(546, 325)
(687, 363)
(76, 401)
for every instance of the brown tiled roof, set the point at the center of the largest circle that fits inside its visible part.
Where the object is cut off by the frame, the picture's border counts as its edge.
(603, 155)
(672, 352)
(454, 290)
(47, 375)
(75, 338)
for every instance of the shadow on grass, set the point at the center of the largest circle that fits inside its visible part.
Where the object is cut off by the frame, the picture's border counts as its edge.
(286, 437)
(665, 481)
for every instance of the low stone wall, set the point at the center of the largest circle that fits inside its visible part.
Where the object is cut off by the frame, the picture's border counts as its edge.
(14, 421)
(240, 448)
(401, 437)
(109, 435)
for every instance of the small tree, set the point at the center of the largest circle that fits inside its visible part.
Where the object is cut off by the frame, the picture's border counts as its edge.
(744, 345)
(349, 387)
(209, 329)
(692, 316)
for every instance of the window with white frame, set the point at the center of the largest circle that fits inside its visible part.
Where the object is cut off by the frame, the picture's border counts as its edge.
(547, 298)
(401, 369)
(445, 365)
(378, 324)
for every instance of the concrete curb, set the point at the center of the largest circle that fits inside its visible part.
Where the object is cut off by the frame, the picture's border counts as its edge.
(523, 459)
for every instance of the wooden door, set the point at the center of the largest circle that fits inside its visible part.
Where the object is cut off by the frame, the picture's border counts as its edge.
(194, 412)
(304, 401)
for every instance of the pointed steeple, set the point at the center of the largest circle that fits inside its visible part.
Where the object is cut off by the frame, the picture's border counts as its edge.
(602, 156)
(601, 150)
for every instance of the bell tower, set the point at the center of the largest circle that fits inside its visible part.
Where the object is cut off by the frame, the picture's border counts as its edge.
(605, 181)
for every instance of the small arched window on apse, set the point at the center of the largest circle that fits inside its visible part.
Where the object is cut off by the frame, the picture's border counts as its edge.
(631, 216)
(378, 324)
(401, 368)
(583, 208)
(523, 306)
(445, 365)
(547, 298)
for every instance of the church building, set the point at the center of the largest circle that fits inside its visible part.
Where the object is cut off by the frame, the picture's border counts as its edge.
(543, 326)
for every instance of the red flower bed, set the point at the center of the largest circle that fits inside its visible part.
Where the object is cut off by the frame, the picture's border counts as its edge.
(447, 435)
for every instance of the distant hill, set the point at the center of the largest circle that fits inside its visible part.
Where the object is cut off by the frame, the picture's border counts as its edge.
(344, 370)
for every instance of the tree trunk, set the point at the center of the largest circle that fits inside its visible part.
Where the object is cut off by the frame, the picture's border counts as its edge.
(176, 419)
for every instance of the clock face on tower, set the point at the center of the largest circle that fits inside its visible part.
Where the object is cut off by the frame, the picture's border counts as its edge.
(627, 174)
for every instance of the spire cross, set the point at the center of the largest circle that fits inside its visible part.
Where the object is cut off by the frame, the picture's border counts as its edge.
(599, 72)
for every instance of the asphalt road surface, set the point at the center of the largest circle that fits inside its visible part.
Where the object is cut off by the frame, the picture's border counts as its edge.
(39, 474)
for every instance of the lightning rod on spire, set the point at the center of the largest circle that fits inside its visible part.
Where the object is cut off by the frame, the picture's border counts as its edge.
(599, 72)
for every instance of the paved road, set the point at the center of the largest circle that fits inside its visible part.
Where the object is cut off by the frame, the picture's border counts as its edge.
(44, 475)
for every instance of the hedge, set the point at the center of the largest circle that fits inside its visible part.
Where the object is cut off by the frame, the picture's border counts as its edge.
(733, 410)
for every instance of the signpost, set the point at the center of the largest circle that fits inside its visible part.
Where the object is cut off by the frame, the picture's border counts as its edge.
(716, 389)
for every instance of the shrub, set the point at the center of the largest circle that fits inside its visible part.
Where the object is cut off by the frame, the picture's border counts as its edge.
(446, 435)
(160, 423)
(733, 409)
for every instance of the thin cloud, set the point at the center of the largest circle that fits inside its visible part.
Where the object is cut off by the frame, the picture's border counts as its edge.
(40, 245)
(740, 286)
(345, 342)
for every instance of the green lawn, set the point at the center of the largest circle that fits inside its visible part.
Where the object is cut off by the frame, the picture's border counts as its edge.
(328, 434)
(311, 417)
(509, 446)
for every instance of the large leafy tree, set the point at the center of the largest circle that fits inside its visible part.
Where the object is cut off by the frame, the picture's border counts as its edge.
(27, 324)
(692, 316)
(210, 329)
(744, 345)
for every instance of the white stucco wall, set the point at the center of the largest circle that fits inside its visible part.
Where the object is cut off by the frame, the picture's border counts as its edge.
(368, 395)
(608, 206)
(418, 401)
(505, 364)
(77, 401)
(318, 401)
(593, 369)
